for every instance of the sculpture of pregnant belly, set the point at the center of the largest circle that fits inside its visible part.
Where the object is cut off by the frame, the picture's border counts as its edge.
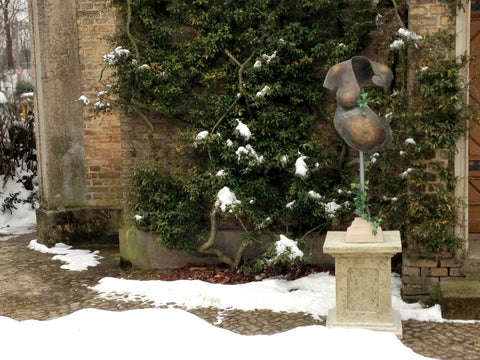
(360, 127)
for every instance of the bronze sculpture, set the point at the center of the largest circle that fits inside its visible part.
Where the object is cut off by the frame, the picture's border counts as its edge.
(359, 127)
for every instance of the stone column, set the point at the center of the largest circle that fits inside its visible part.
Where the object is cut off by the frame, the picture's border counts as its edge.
(58, 116)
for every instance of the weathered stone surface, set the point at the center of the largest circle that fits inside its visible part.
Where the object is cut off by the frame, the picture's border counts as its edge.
(78, 225)
(363, 282)
(460, 299)
(419, 262)
(337, 245)
(59, 117)
(455, 272)
(439, 272)
(414, 290)
(410, 271)
(450, 262)
(143, 251)
(471, 269)
(466, 309)
(419, 280)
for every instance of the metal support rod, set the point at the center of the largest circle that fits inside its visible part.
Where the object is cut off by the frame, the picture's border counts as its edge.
(362, 170)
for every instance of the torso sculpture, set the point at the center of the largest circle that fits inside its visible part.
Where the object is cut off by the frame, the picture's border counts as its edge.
(359, 127)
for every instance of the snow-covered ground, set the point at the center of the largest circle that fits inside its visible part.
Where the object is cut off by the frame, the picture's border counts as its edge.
(20, 220)
(176, 334)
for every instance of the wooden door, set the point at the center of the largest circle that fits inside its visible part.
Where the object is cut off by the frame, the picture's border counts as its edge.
(474, 140)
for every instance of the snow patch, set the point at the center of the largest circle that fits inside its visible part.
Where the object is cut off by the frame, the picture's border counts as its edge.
(75, 259)
(84, 100)
(331, 208)
(20, 219)
(113, 57)
(397, 44)
(221, 173)
(92, 333)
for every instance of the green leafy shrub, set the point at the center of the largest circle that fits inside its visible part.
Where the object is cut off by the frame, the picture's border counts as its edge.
(168, 208)
(415, 189)
(9, 202)
(17, 141)
(23, 87)
(279, 257)
(243, 82)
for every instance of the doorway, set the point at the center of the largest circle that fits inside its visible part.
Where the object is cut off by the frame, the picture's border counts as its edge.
(474, 136)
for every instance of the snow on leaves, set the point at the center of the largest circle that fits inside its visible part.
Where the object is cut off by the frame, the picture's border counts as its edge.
(288, 247)
(405, 36)
(243, 130)
(301, 168)
(248, 151)
(113, 57)
(226, 200)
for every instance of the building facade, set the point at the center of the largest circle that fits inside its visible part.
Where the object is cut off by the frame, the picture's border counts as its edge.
(85, 161)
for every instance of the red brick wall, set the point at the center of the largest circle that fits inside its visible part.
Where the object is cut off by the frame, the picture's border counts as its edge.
(97, 22)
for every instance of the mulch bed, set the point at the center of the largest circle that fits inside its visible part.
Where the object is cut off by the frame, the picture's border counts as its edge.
(218, 274)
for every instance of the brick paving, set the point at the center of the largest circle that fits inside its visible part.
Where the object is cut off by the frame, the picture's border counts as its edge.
(32, 286)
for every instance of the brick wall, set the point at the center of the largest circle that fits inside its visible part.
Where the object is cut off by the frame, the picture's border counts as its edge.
(428, 17)
(114, 143)
(139, 144)
(97, 23)
(421, 276)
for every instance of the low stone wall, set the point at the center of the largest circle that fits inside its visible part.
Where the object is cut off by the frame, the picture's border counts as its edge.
(421, 277)
(141, 250)
(81, 225)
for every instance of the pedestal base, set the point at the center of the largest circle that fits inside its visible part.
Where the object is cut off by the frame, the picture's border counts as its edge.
(363, 282)
(395, 326)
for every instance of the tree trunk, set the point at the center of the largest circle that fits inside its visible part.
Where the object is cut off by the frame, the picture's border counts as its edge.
(8, 35)
(207, 247)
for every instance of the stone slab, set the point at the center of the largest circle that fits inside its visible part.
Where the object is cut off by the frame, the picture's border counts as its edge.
(460, 289)
(335, 244)
(395, 325)
(471, 268)
(461, 309)
(460, 299)
(58, 117)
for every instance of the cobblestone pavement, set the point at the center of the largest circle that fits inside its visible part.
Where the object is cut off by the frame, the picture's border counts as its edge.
(32, 286)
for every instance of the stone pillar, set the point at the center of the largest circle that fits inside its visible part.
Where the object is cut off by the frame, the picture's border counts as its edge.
(63, 215)
(59, 117)
(363, 282)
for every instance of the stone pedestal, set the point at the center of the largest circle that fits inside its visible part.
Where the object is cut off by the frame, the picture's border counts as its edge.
(363, 283)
